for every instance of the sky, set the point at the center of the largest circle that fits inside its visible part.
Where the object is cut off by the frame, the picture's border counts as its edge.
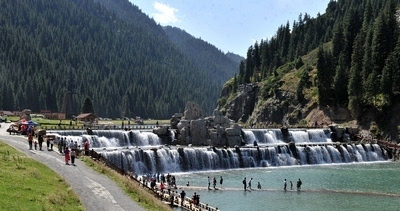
(230, 25)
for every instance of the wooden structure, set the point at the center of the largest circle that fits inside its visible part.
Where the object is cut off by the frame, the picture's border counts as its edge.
(87, 117)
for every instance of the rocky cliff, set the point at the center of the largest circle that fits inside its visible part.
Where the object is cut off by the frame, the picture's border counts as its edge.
(276, 103)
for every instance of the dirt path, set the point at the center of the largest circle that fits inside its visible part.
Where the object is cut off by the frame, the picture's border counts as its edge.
(96, 191)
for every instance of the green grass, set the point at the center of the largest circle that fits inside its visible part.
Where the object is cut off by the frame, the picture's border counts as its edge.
(133, 189)
(53, 123)
(26, 184)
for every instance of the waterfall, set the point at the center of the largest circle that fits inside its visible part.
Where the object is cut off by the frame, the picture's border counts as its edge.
(168, 160)
(140, 155)
(110, 138)
(308, 136)
(263, 136)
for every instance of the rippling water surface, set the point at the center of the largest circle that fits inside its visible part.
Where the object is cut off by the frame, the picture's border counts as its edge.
(365, 186)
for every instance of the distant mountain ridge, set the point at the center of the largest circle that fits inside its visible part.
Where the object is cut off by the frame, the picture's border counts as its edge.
(206, 56)
(234, 57)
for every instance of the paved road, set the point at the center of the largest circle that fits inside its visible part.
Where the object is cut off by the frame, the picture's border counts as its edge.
(96, 191)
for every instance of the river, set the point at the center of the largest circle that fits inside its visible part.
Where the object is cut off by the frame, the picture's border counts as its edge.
(361, 186)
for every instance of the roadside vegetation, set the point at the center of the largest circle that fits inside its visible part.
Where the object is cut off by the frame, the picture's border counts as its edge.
(133, 189)
(26, 184)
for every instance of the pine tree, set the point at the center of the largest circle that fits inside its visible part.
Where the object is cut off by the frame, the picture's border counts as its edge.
(379, 44)
(355, 80)
(87, 106)
(352, 27)
(324, 77)
(303, 83)
(387, 78)
(337, 42)
(372, 87)
(235, 84)
(340, 82)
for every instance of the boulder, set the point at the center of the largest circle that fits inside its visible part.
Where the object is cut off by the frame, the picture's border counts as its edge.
(26, 114)
(192, 111)
(233, 132)
(182, 124)
(175, 120)
(161, 131)
(198, 132)
(234, 141)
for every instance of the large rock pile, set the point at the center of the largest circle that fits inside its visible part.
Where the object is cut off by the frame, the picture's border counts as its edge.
(216, 130)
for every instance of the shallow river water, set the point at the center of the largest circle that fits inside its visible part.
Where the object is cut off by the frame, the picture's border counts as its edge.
(361, 186)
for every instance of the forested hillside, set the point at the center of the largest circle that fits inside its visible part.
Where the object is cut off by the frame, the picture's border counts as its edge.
(346, 58)
(207, 57)
(234, 57)
(127, 69)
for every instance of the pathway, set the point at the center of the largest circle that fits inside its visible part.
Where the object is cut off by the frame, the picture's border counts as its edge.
(97, 192)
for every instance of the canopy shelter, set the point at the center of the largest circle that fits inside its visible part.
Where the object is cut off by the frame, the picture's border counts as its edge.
(26, 126)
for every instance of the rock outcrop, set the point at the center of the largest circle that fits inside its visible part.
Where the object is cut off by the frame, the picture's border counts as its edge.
(216, 130)
(241, 107)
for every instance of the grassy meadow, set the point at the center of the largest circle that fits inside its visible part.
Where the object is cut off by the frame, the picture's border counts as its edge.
(26, 184)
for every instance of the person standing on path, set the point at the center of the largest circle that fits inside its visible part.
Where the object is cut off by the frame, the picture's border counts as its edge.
(183, 194)
(209, 182)
(299, 185)
(30, 140)
(291, 185)
(86, 148)
(249, 186)
(60, 145)
(244, 183)
(221, 181)
(40, 139)
(73, 155)
(284, 185)
(214, 183)
(66, 155)
(259, 185)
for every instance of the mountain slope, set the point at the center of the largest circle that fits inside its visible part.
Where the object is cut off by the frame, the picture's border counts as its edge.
(234, 57)
(339, 67)
(117, 64)
(207, 57)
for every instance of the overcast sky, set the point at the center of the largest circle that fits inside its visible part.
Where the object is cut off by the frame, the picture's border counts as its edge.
(230, 25)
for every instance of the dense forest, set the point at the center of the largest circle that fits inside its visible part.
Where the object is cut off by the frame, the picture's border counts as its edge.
(357, 60)
(113, 52)
(214, 62)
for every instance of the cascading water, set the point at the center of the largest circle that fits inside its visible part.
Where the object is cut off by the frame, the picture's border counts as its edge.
(309, 136)
(110, 138)
(198, 159)
(263, 136)
(142, 151)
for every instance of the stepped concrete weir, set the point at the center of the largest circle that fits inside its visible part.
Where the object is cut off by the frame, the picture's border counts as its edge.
(223, 145)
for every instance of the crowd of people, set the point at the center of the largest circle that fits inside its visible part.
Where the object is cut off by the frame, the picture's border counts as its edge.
(69, 149)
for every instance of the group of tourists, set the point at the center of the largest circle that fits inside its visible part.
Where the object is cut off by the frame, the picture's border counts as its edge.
(298, 185)
(69, 149)
(248, 185)
(214, 182)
